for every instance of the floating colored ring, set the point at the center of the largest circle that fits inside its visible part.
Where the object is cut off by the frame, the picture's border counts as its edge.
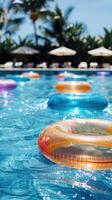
(73, 87)
(104, 73)
(71, 101)
(6, 85)
(18, 78)
(31, 75)
(65, 74)
(78, 143)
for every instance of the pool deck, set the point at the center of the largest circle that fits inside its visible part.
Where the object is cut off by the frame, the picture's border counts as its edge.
(50, 71)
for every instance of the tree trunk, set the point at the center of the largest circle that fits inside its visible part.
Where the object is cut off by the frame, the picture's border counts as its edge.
(35, 33)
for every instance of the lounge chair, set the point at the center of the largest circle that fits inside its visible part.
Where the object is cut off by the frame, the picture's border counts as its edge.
(8, 65)
(93, 65)
(82, 65)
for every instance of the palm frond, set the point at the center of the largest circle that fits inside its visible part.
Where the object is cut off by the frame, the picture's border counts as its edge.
(68, 12)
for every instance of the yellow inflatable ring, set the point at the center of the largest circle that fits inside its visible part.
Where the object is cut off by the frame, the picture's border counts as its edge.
(78, 143)
(31, 75)
(73, 87)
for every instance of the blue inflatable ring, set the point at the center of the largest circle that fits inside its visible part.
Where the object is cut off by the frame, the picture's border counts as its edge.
(68, 101)
(18, 78)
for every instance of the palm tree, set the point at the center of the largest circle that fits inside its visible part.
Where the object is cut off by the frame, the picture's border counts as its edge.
(2, 19)
(6, 46)
(35, 9)
(61, 32)
(57, 26)
(90, 42)
(9, 24)
(107, 38)
(75, 31)
(24, 42)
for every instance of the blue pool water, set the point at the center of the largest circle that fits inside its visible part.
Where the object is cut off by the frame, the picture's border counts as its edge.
(24, 173)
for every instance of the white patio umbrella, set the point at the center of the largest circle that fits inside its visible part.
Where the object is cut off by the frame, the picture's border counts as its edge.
(101, 51)
(62, 51)
(24, 50)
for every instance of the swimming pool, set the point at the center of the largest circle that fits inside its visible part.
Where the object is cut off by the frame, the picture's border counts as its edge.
(24, 173)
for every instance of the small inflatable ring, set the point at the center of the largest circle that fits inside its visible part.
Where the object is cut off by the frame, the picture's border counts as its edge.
(104, 73)
(31, 75)
(78, 143)
(65, 74)
(73, 87)
(6, 85)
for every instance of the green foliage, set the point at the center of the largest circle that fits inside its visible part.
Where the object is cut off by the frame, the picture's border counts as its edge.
(75, 31)
(24, 42)
(9, 23)
(6, 47)
(29, 5)
(35, 9)
(58, 24)
(107, 38)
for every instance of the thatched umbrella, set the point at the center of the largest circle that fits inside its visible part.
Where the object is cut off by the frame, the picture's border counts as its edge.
(101, 51)
(24, 50)
(63, 51)
(63, 54)
(25, 54)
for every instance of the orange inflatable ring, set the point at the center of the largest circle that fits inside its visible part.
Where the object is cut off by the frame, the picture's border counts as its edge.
(73, 87)
(78, 143)
(31, 75)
